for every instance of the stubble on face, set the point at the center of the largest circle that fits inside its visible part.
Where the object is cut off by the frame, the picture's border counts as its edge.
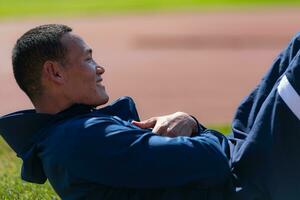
(83, 74)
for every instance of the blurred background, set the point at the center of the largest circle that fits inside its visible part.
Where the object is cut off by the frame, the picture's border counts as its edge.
(197, 56)
(201, 57)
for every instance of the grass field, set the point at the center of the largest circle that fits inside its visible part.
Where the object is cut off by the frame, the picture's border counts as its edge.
(13, 188)
(18, 8)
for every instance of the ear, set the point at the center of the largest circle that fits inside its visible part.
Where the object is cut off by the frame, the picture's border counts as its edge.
(53, 71)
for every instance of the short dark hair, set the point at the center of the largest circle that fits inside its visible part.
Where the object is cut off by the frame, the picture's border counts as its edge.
(32, 50)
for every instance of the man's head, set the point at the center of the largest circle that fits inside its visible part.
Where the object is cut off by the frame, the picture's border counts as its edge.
(52, 63)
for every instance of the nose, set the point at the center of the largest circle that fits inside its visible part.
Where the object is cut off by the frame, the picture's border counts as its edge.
(100, 70)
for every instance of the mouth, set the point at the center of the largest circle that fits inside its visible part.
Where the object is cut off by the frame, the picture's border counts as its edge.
(99, 83)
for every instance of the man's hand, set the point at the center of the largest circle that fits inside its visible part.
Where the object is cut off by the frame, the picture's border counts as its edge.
(177, 124)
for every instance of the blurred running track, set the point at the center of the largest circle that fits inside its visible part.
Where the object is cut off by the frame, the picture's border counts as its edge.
(200, 63)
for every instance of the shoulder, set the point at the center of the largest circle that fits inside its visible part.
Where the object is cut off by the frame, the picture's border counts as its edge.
(88, 127)
(74, 135)
(81, 123)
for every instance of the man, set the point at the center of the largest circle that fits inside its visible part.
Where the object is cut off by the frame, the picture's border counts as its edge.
(106, 153)
(89, 153)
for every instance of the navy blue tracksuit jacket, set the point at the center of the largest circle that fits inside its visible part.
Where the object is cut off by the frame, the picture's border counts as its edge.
(87, 153)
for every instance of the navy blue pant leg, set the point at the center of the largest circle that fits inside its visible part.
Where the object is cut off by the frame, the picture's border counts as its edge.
(265, 156)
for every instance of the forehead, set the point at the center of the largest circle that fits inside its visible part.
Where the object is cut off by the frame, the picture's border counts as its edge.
(74, 43)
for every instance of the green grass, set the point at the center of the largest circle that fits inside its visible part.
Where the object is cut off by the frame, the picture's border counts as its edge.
(225, 129)
(11, 185)
(13, 188)
(21, 8)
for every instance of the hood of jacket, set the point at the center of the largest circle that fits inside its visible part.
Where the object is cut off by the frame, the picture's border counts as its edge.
(23, 129)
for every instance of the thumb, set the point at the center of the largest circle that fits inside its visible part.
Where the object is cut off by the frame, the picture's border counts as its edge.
(148, 123)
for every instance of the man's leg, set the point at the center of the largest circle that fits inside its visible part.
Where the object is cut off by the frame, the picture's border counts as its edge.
(266, 133)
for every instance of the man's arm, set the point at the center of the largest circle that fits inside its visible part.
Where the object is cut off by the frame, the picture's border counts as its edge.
(116, 155)
(173, 125)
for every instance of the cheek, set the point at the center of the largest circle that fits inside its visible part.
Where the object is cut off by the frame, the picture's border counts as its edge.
(87, 76)
(82, 80)
(89, 83)
(81, 85)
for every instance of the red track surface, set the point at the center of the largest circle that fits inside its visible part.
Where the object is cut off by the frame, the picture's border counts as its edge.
(201, 63)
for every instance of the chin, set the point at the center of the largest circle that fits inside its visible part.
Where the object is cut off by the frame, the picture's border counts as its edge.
(102, 101)
(105, 100)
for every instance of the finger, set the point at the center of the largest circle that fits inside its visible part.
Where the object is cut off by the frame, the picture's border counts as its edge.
(149, 123)
(172, 132)
(179, 131)
(159, 129)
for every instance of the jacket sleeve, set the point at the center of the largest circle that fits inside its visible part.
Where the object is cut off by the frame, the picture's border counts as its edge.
(109, 153)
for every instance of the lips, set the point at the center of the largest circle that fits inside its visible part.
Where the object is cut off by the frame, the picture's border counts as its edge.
(99, 81)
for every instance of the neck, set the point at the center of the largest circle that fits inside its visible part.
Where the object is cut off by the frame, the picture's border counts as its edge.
(49, 105)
